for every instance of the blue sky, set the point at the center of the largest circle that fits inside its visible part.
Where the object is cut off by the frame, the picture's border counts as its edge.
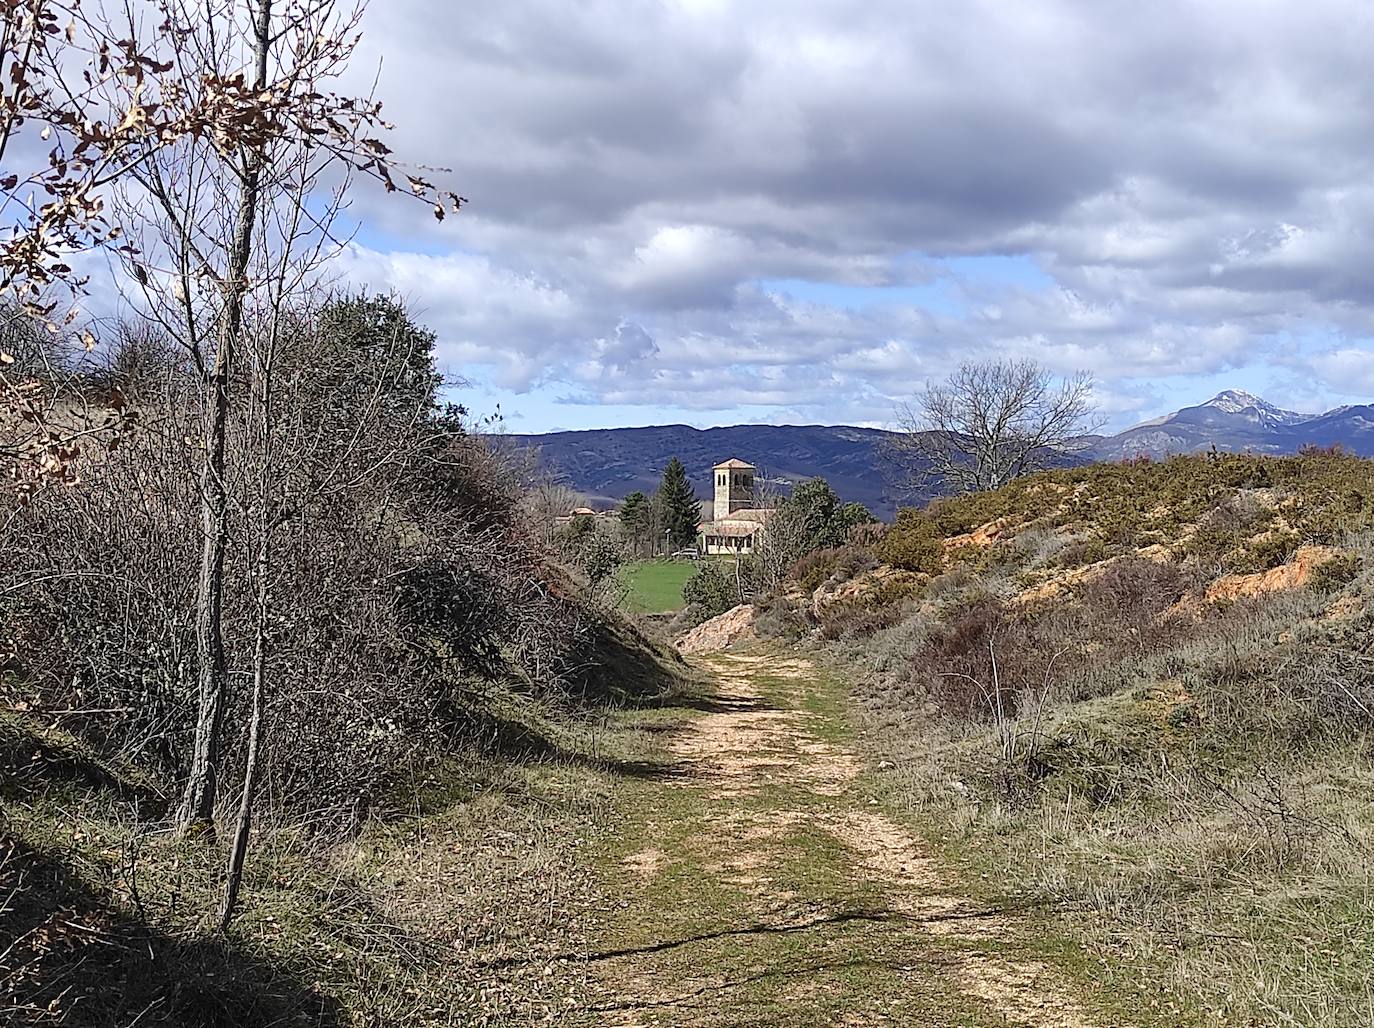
(714, 212)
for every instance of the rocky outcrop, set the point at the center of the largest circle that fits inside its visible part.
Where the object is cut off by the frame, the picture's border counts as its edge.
(1293, 575)
(983, 535)
(720, 632)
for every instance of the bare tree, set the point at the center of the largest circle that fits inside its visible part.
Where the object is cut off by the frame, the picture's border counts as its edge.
(549, 502)
(990, 422)
(196, 102)
(222, 212)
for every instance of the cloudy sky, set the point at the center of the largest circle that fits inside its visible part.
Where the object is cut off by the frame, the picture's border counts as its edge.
(714, 212)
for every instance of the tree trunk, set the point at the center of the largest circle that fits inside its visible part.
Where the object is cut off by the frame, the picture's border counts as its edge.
(198, 802)
(238, 852)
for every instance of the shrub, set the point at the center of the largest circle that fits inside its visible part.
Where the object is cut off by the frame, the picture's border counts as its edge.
(896, 591)
(685, 620)
(1339, 571)
(867, 535)
(1124, 603)
(1269, 551)
(1222, 531)
(914, 543)
(966, 663)
(401, 574)
(712, 588)
(951, 584)
(1081, 552)
(775, 618)
(873, 609)
(837, 565)
(857, 619)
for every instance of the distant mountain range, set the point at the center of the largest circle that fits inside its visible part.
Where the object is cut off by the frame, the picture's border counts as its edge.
(1235, 420)
(608, 464)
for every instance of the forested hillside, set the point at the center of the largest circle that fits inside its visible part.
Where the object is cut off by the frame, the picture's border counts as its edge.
(608, 464)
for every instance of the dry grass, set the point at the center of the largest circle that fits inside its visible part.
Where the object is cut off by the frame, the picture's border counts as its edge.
(456, 903)
(1195, 785)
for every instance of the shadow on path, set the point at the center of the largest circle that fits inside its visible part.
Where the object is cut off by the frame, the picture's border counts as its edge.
(759, 929)
(68, 958)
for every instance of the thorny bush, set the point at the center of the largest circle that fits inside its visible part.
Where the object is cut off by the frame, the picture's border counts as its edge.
(404, 576)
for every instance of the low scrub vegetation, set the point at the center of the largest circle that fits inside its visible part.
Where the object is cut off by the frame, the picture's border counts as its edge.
(1142, 691)
(410, 647)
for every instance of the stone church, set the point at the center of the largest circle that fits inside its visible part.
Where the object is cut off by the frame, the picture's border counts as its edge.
(736, 523)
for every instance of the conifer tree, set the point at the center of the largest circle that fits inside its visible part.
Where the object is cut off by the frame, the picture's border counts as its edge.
(637, 521)
(678, 503)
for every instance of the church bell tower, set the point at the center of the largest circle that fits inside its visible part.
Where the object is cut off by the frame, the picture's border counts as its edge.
(734, 480)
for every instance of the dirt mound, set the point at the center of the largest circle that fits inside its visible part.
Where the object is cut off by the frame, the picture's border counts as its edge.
(983, 535)
(1060, 585)
(1293, 575)
(720, 632)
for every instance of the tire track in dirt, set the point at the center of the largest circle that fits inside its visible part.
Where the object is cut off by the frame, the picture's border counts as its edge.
(767, 769)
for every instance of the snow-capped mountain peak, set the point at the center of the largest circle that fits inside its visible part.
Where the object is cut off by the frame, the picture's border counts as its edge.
(1237, 401)
(1233, 401)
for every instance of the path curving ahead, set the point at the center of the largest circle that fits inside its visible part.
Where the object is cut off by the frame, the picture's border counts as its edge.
(760, 885)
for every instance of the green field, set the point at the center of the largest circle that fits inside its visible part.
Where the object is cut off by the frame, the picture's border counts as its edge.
(655, 586)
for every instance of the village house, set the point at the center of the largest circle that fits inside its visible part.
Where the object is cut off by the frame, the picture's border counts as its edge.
(736, 524)
(578, 512)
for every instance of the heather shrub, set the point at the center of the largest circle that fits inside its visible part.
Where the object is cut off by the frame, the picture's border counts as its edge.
(832, 565)
(856, 619)
(913, 543)
(1222, 531)
(1268, 551)
(1081, 552)
(897, 590)
(1125, 603)
(1340, 570)
(775, 618)
(986, 662)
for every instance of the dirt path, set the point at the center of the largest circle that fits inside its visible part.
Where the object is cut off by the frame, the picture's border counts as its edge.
(762, 886)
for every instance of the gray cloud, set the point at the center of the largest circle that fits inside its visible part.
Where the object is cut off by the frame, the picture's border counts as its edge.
(1196, 180)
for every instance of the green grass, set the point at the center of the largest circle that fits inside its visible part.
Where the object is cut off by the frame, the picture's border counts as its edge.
(755, 912)
(655, 586)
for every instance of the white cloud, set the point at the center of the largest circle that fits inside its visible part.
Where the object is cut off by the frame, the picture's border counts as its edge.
(1196, 179)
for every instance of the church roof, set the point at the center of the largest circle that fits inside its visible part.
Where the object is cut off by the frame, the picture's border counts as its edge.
(734, 462)
(731, 528)
(745, 521)
(755, 514)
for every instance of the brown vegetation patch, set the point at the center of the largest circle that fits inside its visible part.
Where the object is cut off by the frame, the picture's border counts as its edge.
(893, 855)
(1017, 990)
(647, 863)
